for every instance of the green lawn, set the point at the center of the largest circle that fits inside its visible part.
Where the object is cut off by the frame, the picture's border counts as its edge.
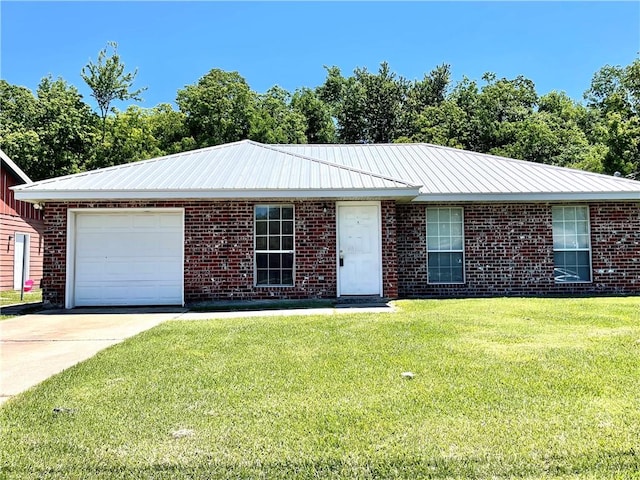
(10, 297)
(503, 388)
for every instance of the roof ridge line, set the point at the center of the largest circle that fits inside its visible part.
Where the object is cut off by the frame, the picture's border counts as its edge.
(332, 164)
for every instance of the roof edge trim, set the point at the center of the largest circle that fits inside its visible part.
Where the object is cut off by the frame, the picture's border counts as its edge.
(40, 196)
(527, 197)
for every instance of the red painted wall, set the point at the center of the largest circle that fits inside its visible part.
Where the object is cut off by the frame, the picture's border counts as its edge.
(18, 217)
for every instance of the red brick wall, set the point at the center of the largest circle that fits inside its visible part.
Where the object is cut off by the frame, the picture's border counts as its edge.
(389, 250)
(219, 252)
(509, 251)
(218, 249)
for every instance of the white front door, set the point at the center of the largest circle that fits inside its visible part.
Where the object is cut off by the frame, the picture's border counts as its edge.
(359, 255)
(20, 260)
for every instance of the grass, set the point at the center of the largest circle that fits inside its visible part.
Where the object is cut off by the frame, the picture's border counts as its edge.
(10, 297)
(503, 388)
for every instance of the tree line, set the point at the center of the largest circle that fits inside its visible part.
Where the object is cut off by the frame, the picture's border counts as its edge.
(55, 132)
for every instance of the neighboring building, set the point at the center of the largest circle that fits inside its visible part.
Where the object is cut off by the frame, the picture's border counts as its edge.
(21, 229)
(248, 221)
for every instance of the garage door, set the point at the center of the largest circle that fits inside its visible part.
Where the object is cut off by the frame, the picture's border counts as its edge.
(131, 258)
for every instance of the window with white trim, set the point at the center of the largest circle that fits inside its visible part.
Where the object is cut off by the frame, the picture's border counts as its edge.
(445, 245)
(274, 251)
(571, 244)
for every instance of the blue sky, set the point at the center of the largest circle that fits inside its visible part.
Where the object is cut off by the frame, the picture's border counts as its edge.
(558, 45)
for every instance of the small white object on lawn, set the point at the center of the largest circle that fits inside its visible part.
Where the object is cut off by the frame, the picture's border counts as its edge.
(184, 432)
(408, 375)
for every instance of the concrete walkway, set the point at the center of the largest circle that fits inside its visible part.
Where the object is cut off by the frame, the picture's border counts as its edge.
(35, 347)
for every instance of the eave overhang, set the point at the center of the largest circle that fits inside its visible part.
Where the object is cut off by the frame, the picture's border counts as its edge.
(527, 197)
(42, 196)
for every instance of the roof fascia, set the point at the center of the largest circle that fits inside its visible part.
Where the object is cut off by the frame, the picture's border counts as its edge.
(38, 196)
(526, 197)
(14, 168)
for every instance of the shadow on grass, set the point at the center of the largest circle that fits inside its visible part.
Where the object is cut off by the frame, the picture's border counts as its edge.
(607, 464)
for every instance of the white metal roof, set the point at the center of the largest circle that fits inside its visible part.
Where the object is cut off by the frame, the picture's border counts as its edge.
(11, 166)
(450, 174)
(418, 172)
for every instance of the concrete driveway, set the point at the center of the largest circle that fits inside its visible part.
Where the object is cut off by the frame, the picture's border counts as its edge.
(34, 347)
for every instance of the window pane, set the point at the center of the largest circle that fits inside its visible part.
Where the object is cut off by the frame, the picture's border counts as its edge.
(261, 228)
(263, 277)
(287, 260)
(274, 260)
(583, 241)
(261, 243)
(287, 243)
(582, 227)
(287, 227)
(261, 260)
(274, 228)
(444, 243)
(274, 243)
(432, 243)
(274, 213)
(287, 213)
(581, 214)
(432, 215)
(456, 243)
(287, 277)
(274, 277)
(569, 213)
(261, 213)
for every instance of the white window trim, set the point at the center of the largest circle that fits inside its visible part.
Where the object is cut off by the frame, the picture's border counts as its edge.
(589, 249)
(256, 251)
(26, 266)
(464, 270)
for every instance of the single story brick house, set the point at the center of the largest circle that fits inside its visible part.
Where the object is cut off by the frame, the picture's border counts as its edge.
(252, 221)
(21, 228)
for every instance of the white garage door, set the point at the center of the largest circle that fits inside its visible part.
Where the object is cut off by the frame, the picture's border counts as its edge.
(128, 258)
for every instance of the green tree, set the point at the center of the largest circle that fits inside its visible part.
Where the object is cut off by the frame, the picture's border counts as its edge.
(50, 134)
(108, 81)
(615, 95)
(319, 126)
(218, 108)
(429, 92)
(367, 107)
(275, 121)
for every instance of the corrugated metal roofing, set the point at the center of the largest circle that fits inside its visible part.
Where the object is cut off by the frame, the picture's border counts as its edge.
(444, 171)
(413, 171)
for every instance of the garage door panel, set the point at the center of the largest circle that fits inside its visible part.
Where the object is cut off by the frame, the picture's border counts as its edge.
(129, 259)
